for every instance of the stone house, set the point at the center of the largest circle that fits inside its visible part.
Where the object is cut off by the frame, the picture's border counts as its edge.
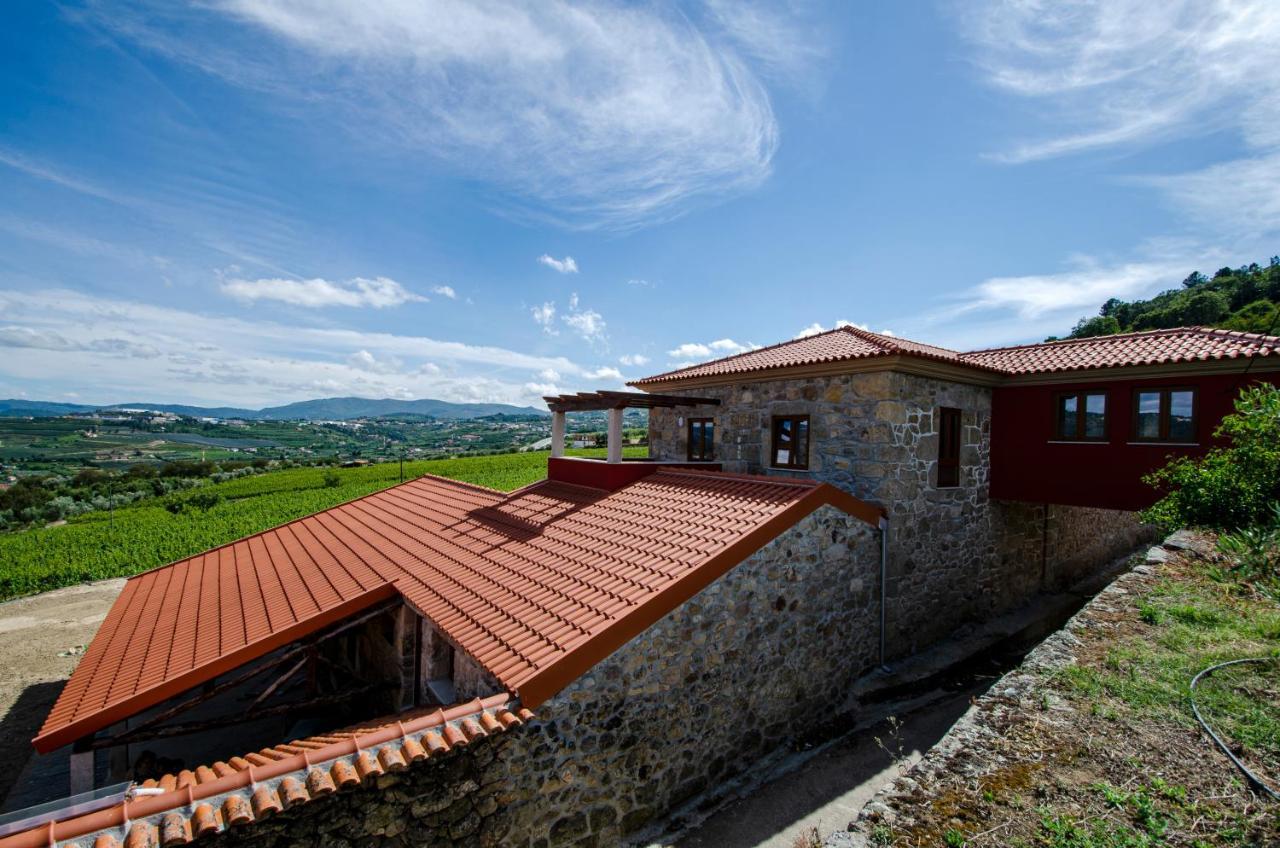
(569, 663)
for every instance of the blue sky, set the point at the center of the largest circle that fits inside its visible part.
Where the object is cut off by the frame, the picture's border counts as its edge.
(253, 202)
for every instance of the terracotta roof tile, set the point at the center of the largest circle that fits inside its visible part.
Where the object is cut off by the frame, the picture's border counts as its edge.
(838, 345)
(1154, 347)
(1183, 344)
(531, 584)
(246, 794)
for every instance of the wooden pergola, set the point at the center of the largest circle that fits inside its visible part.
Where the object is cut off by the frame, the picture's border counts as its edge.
(614, 403)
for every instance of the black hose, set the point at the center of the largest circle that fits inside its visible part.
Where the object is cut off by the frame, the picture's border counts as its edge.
(1256, 783)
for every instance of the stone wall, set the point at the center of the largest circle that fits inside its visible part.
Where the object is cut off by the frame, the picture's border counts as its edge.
(875, 435)
(757, 661)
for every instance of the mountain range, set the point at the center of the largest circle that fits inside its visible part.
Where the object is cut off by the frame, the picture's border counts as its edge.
(321, 409)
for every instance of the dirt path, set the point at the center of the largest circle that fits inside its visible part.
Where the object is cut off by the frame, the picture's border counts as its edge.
(827, 792)
(41, 639)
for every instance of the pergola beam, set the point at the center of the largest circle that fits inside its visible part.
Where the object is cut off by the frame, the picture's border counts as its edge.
(605, 400)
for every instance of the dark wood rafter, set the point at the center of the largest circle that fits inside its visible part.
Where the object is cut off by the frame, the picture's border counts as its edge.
(603, 400)
(304, 652)
(298, 707)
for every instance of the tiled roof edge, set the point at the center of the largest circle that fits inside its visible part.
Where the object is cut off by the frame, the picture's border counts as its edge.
(590, 650)
(1163, 331)
(113, 712)
(665, 375)
(182, 815)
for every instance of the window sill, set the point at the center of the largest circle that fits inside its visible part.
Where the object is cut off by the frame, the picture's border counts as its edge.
(1167, 444)
(792, 470)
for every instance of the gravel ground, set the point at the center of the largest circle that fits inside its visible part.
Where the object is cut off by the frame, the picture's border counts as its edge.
(41, 639)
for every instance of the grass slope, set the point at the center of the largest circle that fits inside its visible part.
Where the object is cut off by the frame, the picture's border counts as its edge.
(98, 545)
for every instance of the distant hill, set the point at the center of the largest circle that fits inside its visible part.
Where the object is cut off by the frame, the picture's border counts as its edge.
(341, 409)
(323, 409)
(1244, 298)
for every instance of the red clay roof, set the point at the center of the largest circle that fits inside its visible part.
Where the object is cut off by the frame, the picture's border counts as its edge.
(838, 345)
(259, 785)
(1154, 347)
(536, 585)
(1183, 344)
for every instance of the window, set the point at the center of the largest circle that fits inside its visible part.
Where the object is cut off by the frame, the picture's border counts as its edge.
(1164, 415)
(702, 433)
(948, 447)
(790, 448)
(1081, 417)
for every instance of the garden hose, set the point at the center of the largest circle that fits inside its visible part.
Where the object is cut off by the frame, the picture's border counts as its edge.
(1256, 783)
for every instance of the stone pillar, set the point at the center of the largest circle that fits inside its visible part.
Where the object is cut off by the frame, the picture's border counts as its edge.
(615, 435)
(557, 434)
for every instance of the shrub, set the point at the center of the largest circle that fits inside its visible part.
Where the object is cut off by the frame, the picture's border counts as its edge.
(1229, 487)
(332, 480)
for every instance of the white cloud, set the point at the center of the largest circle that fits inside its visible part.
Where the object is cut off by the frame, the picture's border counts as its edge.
(587, 323)
(1239, 199)
(729, 346)
(545, 317)
(1130, 71)
(564, 266)
(786, 43)
(541, 390)
(550, 375)
(815, 328)
(639, 283)
(604, 372)
(445, 291)
(594, 114)
(689, 350)
(380, 292)
(366, 361)
(1037, 295)
(633, 359)
(212, 359)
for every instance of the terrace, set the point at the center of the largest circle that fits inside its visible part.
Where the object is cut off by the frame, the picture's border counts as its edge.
(614, 471)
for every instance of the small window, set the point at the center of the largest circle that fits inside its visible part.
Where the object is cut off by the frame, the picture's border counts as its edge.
(1081, 417)
(1164, 415)
(948, 447)
(702, 433)
(790, 448)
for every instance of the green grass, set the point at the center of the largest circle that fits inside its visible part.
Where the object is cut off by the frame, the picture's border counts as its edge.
(1193, 624)
(99, 545)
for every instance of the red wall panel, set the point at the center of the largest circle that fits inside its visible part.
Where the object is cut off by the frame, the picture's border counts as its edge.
(1027, 464)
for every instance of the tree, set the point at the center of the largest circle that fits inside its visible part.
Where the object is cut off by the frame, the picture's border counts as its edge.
(1229, 487)
(1101, 325)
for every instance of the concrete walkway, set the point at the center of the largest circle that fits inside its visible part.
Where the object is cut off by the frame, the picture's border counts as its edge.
(42, 637)
(827, 791)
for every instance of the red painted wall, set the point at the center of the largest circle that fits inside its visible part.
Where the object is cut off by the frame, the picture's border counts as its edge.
(599, 474)
(1027, 466)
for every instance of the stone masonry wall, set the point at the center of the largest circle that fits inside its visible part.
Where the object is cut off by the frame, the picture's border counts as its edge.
(954, 554)
(759, 659)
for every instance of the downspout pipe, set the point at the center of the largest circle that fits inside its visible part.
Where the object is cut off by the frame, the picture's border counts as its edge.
(884, 587)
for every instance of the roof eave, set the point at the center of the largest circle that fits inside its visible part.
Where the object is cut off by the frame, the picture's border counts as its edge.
(536, 689)
(120, 710)
(907, 363)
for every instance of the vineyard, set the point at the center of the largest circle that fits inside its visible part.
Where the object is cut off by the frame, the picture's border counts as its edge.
(160, 530)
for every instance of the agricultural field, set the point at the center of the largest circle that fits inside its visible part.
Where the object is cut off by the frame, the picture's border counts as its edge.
(158, 530)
